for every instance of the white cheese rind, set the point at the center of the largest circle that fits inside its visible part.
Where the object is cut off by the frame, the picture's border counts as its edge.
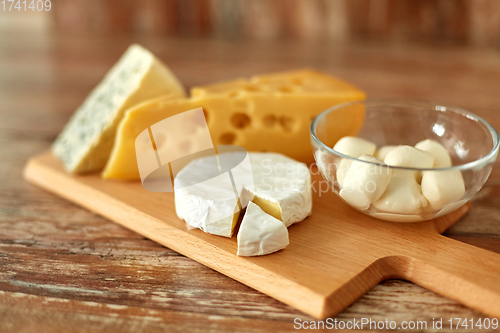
(86, 142)
(281, 180)
(209, 205)
(260, 233)
(269, 176)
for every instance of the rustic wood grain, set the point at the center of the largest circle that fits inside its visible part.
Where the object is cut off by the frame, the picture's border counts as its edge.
(53, 252)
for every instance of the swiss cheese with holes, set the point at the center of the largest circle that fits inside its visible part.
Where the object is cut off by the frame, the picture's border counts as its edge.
(264, 113)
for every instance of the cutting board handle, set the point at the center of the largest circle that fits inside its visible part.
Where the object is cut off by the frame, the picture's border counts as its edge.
(465, 273)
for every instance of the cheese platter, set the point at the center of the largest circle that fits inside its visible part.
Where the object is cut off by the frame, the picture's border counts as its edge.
(236, 158)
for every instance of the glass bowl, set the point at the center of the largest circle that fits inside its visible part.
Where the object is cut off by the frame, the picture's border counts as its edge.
(470, 141)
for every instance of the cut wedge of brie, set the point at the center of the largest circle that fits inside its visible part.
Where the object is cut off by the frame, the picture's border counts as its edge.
(260, 233)
(282, 187)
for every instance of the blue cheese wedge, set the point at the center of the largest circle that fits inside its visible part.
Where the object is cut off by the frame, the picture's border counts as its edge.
(260, 233)
(85, 143)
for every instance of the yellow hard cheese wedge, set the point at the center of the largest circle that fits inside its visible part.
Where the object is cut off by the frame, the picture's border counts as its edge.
(264, 113)
(86, 141)
(122, 163)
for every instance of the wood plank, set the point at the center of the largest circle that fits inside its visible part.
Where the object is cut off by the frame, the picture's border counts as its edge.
(68, 315)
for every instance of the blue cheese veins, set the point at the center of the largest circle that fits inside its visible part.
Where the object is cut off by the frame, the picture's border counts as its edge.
(85, 143)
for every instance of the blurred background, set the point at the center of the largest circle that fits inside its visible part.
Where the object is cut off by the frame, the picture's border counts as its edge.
(471, 22)
(441, 50)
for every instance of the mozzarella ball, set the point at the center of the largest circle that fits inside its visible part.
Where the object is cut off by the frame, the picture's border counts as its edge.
(364, 183)
(383, 151)
(354, 147)
(441, 188)
(441, 157)
(403, 195)
(410, 157)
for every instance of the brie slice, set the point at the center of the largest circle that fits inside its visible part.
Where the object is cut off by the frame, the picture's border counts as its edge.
(260, 233)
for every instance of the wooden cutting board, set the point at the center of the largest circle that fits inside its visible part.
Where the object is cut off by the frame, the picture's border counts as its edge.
(334, 256)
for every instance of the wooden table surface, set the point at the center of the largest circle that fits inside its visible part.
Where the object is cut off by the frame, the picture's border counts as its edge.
(63, 268)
